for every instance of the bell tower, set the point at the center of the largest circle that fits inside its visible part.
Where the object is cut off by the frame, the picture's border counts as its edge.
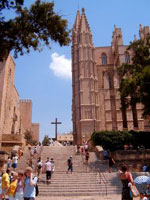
(85, 104)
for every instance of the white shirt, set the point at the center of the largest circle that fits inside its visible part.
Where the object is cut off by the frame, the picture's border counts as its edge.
(15, 159)
(48, 166)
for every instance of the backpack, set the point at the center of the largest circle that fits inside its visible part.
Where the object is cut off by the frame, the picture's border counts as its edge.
(39, 165)
(69, 162)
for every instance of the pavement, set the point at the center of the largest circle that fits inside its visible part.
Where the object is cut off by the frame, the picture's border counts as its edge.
(108, 197)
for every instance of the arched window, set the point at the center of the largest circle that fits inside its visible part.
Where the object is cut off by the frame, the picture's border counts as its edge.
(104, 59)
(127, 58)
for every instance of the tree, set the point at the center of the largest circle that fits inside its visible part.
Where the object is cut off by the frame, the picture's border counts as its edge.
(29, 138)
(135, 78)
(31, 27)
(46, 141)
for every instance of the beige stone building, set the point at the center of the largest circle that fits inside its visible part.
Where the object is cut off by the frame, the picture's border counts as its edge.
(15, 117)
(65, 139)
(96, 103)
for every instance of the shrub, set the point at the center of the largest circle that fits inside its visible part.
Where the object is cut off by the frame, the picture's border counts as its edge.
(115, 140)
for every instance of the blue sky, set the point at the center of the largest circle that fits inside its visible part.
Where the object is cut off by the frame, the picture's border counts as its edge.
(45, 77)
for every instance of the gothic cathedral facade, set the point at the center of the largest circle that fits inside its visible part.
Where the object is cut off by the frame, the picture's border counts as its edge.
(96, 103)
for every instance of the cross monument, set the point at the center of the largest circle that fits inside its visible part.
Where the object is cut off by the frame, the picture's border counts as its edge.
(56, 123)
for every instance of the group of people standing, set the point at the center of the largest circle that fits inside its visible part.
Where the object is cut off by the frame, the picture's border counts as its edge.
(18, 186)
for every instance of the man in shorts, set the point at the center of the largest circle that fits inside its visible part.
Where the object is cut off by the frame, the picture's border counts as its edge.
(48, 169)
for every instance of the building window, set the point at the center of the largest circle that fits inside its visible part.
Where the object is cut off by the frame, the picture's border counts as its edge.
(104, 59)
(127, 58)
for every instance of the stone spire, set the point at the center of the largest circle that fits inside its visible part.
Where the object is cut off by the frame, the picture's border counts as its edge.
(84, 26)
(77, 21)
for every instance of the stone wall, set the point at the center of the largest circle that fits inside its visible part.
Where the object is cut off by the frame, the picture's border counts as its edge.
(135, 159)
(9, 99)
(26, 114)
(15, 115)
(35, 131)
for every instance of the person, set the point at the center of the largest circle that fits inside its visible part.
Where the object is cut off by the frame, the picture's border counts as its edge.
(105, 155)
(82, 150)
(143, 197)
(145, 168)
(35, 150)
(48, 169)
(9, 163)
(53, 165)
(86, 146)
(111, 163)
(39, 166)
(5, 182)
(87, 155)
(126, 178)
(19, 153)
(20, 186)
(29, 185)
(70, 164)
(13, 186)
(15, 162)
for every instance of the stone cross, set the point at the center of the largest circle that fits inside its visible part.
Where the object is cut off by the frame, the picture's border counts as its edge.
(56, 123)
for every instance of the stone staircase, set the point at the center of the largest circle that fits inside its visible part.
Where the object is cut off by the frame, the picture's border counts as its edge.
(84, 181)
(92, 180)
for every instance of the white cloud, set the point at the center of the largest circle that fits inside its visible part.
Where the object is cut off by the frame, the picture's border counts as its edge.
(61, 66)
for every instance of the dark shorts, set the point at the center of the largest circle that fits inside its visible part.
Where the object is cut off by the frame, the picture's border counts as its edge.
(14, 165)
(48, 175)
(31, 198)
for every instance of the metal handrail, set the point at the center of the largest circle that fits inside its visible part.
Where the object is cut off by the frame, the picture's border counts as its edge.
(103, 178)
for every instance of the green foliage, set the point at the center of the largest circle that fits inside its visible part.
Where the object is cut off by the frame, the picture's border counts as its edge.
(135, 77)
(115, 140)
(28, 137)
(30, 28)
(46, 141)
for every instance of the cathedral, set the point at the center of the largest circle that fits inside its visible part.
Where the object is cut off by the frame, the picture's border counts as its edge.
(96, 103)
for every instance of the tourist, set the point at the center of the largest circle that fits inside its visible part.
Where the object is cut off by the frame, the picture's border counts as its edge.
(143, 197)
(39, 166)
(53, 165)
(13, 186)
(20, 186)
(145, 168)
(9, 163)
(111, 163)
(82, 150)
(48, 169)
(86, 147)
(105, 154)
(19, 153)
(29, 185)
(70, 164)
(35, 150)
(87, 155)
(15, 162)
(5, 182)
(126, 178)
